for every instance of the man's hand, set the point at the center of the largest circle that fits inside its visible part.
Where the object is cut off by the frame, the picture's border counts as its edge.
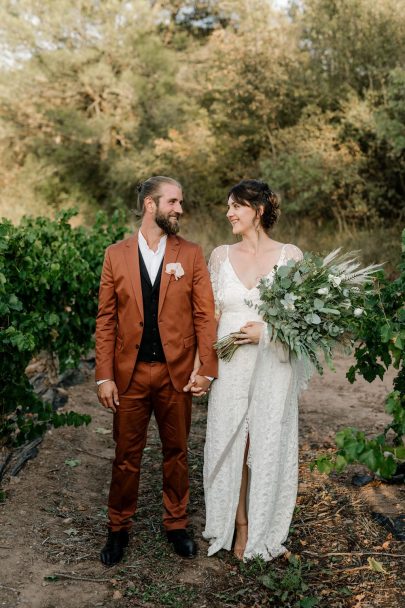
(191, 381)
(107, 394)
(198, 385)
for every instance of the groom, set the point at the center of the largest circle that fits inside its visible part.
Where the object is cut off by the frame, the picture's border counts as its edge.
(155, 307)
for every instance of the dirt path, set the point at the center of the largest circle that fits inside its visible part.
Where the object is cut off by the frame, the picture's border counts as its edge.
(53, 521)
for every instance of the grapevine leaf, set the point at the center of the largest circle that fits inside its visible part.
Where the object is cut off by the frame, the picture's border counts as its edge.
(386, 333)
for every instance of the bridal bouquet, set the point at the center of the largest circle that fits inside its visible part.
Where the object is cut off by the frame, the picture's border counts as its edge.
(310, 305)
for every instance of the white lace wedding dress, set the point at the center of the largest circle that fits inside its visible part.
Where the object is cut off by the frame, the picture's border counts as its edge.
(256, 394)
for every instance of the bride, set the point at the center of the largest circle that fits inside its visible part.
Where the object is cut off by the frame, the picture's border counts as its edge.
(251, 450)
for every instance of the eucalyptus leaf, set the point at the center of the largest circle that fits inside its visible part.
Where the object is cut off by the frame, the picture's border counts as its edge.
(319, 304)
(283, 271)
(330, 311)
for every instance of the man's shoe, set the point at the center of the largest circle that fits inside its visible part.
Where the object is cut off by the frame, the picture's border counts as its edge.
(113, 550)
(182, 543)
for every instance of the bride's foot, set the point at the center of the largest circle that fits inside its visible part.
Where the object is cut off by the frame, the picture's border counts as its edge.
(241, 537)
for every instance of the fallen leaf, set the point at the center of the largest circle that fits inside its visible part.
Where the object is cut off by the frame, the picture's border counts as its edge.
(308, 602)
(376, 566)
(102, 431)
(345, 591)
(71, 532)
(386, 544)
(117, 595)
(359, 598)
(71, 462)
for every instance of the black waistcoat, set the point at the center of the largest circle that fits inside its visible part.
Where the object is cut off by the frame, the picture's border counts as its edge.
(151, 345)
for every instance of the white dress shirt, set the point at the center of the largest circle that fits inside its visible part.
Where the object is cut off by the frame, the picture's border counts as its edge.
(152, 259)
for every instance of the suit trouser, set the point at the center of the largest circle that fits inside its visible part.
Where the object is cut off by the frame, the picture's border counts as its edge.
(150, 390)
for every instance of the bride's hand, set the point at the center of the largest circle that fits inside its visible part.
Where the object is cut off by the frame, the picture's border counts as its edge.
(250, 333)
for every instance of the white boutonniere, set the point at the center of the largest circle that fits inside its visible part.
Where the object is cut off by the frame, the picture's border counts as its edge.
(175, 268)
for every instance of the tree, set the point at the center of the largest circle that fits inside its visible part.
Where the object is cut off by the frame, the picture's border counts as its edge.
(100, 90)
(208, 91)
(353, 44)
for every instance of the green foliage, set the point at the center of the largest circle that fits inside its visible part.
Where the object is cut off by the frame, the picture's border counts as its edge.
(288, 587)
(353, 43)
(49, 275)
(176, 597)
(381, 336)
(210, 92)
(353, 446)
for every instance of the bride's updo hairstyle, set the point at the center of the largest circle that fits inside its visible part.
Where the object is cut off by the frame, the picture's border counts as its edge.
(255, 193)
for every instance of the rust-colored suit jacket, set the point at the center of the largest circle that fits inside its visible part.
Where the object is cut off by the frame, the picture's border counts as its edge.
(186, 313)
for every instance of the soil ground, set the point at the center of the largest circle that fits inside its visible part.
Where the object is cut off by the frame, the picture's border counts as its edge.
(53, 522)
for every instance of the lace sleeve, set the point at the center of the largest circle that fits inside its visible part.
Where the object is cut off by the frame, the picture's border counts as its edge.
(291, 252)
(217, 258)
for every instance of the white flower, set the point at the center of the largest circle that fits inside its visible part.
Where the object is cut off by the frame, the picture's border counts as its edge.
(332, 278)
(288, 305)
(288, 301)
(323, 291)
(358, 312)
(175, 268)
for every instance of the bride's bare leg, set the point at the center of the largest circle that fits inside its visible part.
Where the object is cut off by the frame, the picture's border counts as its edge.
(241, 520)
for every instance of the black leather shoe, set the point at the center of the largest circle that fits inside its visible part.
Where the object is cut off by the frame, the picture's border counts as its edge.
(182, 543)
(113, 550)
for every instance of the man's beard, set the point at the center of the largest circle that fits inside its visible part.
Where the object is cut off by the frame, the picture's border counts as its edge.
(169, 226)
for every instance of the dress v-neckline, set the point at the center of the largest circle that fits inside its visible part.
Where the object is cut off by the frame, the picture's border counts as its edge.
(264, 276)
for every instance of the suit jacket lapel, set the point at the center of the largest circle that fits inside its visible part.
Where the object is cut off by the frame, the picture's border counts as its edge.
(132, 261)
(171, 253)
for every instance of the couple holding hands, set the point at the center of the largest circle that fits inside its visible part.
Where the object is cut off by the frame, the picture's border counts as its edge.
(160, 312)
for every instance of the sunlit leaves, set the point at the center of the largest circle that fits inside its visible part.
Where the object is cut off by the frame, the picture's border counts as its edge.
(48, 301)
(381, 333)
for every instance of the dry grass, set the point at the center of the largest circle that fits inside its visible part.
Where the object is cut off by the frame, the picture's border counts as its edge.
(376, 245)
